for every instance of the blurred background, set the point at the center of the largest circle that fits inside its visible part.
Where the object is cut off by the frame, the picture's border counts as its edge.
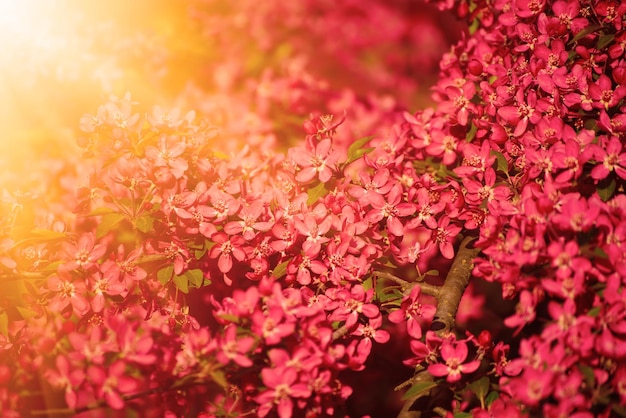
(254, 69)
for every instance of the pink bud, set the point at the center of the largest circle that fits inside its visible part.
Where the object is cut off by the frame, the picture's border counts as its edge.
(475, 67)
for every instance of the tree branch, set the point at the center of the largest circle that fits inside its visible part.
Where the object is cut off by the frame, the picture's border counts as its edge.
(448, 299)
(454, 287)
(427, 288)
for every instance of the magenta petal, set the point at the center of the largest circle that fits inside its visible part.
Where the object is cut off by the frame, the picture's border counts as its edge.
(438, 370)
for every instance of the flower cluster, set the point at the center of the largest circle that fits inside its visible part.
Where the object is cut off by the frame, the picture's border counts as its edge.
(215, 281)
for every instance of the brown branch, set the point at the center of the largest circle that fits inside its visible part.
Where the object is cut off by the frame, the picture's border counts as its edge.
(340, 332)
(454, 287)
(448, 299)
(427, 288)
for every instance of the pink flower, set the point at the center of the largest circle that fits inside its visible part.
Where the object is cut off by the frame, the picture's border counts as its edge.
(454, 355)
(314, 230)
(225, 248)
(604, 95)
(84, 254)
(445, 235)
(318, 162)
(281, 388)
(66, 292)
(459, 101)
(112, 383)
(610, 158)
(236, 349)
(249, 225)
(391, 210)
(413, 310)
(524, 311)
(66, 378)
(272, 325)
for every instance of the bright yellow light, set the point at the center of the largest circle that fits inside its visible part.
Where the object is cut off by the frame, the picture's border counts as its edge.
(42, 65)
(60, 59)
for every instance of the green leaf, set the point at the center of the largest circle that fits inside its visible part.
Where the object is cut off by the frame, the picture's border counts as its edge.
(606, 191)
(356, 150)
(462, 415)
(316, 193)
(587, 372)
(37, 236)
(367, 284)
(491, 398)
(417, 389)
(149, 258)
(471, 133)
(108, 223)
(230, 318)
(182, 283)
(195, 277)
(101, 211)
(26, 313)
(219, 378)
(605, 40)
(474, 26)
(593, 312)
(145, 223)
(4, 324)
(281, 269)
(165, 274)
(480, 388)
(502, 163)
(390, 296)
(585, 32)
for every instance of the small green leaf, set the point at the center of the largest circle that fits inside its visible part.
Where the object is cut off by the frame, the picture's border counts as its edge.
(605, 191)
(145, 223)
(480, 388)
(101, 211)
(368, 284)
(474, 26)
(585, 32)
(471, 134)
(229, 317)
(108, 223)
(149, 258)
(502, 163)
(316, 193)
(417, 389)
(26, 313)
(356, 150)
(491, 398)
(462, 415)
(587, 372)
(4, 323)
(389, 297)
(281, 269)
(593, 312)
(219, 378)
(165, 274)
(605, 40)
(182, 283)
(195, 277)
